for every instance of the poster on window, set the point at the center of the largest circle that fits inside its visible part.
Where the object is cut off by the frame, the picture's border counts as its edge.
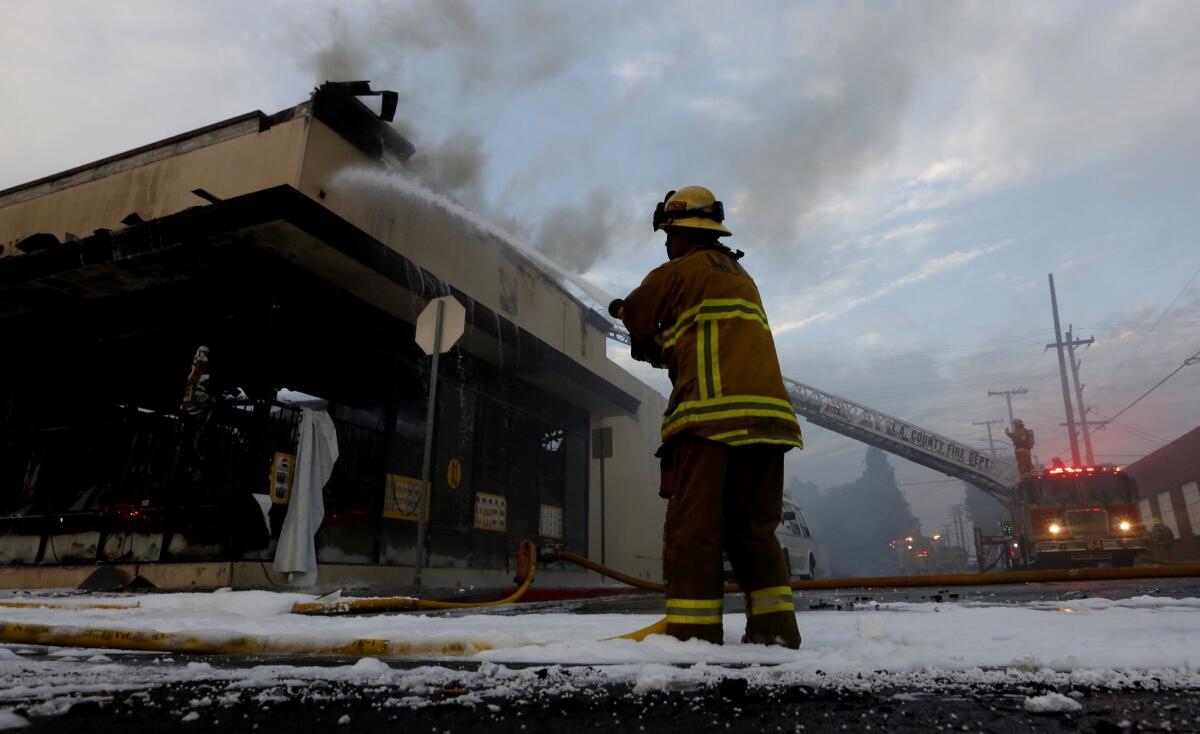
(491, 512)
(550, 524)
(283, 467)
(401, 496)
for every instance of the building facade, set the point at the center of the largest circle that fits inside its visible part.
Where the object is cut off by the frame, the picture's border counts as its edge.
(294, 251)
(1169, 490)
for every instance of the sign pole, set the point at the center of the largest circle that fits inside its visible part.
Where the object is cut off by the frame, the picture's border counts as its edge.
(423, 502)
(602, 449)
(603, 518)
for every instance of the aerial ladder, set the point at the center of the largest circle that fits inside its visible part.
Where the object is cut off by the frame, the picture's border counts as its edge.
(993, 476)
(996, 477)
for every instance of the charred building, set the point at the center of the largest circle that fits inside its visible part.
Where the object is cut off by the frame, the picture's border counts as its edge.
(165, 312)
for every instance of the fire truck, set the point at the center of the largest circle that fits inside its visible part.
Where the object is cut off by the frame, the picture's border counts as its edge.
(1068, 516)
(1061, 518)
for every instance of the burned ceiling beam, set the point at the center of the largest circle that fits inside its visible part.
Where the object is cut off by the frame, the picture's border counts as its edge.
(337, 104)
(207, 196)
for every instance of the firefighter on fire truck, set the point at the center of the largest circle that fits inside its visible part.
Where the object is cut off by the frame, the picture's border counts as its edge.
(1022, 440)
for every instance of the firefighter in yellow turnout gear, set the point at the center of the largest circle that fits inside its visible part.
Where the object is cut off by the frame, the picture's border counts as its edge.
(1022, 441)
(727, 425)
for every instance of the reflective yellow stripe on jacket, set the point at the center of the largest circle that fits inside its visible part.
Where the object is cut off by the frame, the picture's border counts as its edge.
(731, 406)
(745, 437)
(713, 309)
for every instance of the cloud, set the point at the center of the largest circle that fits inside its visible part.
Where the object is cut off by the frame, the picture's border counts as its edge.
(928, 269)
(640, 68)
(911, 234)
(721, 111)
(826, 105)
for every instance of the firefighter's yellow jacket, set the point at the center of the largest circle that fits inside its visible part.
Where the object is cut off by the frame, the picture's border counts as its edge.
(704, 313)
(1022, 438)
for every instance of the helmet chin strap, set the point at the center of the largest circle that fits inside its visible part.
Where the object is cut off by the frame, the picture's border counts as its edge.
(694, 245)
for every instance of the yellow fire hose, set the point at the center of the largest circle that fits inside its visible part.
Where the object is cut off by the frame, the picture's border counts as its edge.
(223, 644)
(232, 644)
(658, 628)
(1007, 577)
(401, 603)
(56, 605)
(228, 643)
(332, 607)
(943, 580)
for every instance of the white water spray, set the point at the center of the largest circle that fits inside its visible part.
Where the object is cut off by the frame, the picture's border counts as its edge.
(398, 183)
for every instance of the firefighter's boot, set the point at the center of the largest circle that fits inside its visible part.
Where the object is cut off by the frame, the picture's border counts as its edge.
(771, 617)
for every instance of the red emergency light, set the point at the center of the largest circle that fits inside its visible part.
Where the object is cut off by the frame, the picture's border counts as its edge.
(1080, 470)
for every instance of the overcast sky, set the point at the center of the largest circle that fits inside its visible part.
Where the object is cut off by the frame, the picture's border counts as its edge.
(901, 176)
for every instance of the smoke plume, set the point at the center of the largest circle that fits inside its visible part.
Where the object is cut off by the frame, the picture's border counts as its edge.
(576, 234)
(453, 63)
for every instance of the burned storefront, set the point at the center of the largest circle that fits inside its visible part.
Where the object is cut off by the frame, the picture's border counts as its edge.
(168, 313)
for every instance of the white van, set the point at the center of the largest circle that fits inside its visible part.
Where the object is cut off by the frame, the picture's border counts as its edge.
(797, 543)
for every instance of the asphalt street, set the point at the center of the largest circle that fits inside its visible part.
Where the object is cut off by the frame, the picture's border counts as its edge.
(723, 707)
(461, 696)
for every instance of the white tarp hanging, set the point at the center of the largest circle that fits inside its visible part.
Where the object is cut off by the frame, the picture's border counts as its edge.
(296, 554)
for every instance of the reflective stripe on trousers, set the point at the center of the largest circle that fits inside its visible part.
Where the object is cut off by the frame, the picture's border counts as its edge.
(771, 599)
(694, 611)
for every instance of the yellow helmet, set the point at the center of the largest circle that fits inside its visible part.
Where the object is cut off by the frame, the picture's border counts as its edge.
(691, 206)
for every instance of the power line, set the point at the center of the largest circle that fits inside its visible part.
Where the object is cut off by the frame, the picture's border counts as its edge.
(1143, 325)
(1124, 428)
(1194, 359)
(1143, 339)
(1139, 431)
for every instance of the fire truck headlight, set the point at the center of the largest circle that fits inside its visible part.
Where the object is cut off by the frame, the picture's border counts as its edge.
(1125, 526)
(1055, 528)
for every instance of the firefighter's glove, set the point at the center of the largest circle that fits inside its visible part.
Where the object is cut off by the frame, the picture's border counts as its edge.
(616, 309)
(646, 351)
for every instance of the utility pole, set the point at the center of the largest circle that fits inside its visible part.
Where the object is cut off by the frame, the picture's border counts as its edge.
(1062, 370)
(1008, 395)
(1083, 411)
(959, 529)
(991, 441)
